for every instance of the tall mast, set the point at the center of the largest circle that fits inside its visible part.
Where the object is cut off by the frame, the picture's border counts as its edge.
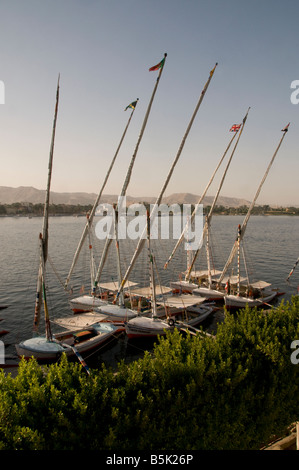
(244, 224)
(96, 203)
(151, 267)
(155, 208)
(115, 221)
(238, 242)
(159, 66)
(43, 237)
(209, 217)
(208, 253)
(198, 203)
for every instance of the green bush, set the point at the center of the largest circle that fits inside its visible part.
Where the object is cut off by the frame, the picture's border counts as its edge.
(193, 393)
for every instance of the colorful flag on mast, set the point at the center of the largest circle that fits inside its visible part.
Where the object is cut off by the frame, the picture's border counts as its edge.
(285, 129)
(131, 105)
(235, 128)
(158, 66)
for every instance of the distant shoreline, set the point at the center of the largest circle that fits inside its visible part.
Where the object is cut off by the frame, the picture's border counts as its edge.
(60, 210)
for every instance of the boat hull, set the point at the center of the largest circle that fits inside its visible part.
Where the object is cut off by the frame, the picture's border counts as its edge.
(196, 315)
(84, 341)
(140, 327)
(234, 301)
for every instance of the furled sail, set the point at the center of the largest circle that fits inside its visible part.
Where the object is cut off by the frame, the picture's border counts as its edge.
(245, 221)
(158, 201)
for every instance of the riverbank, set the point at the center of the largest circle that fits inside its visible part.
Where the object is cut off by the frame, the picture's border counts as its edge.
(36, 210)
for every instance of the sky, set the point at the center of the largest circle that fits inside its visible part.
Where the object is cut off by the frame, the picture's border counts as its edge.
(103, 50)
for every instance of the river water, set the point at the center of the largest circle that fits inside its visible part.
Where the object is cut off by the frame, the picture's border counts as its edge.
(271, 247)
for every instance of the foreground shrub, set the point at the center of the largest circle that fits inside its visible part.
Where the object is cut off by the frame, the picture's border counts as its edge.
(193, 393)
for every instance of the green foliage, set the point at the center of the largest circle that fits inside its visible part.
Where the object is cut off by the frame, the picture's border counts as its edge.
(232, 392)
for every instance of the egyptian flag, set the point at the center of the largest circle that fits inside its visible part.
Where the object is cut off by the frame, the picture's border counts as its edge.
(158, 66)
(131, 105)
(285, 129)
(235, 128)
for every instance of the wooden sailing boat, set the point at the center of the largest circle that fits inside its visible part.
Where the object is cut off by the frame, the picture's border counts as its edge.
(88, 302)
(73, 343)
(207, 289)
(254, 294)
(152, 326)
(206, 277)
(177, 309)
(118, 312)
(148, 325)
(248, 293)
(159, 199)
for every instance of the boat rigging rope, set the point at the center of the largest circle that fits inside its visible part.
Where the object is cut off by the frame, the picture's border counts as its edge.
(55, 271)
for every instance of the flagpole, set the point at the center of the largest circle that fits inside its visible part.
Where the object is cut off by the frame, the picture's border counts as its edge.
(129, 172)
(244, 224)
(154, 210)
(93, 210)
(214, 201)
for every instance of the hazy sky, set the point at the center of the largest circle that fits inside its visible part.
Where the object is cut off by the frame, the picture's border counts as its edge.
(103, 50)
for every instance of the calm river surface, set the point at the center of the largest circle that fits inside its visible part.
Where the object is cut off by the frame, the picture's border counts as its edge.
(271, 246)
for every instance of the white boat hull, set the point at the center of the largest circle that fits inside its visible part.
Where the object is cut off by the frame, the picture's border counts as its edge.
(196, 315)
(84, 341)
(147, 327)
(235, 301)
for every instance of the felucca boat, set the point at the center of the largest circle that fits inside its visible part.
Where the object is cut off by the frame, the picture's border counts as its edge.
(252, 294)
(159, 199)
(201, 282)
(117, 311)
(153, 326)
(73, 343)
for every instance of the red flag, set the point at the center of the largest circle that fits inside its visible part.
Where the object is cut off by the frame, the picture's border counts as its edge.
(158, 66)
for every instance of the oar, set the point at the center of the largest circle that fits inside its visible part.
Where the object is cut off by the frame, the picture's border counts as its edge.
(85, 366)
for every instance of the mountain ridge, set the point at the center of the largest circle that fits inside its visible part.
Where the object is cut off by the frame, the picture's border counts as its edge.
(29, 194)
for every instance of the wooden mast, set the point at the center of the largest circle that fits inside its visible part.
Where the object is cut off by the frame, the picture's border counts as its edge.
(209, 217)
(96, 203)
(129, 172)
(43, 237)
(155, 208)
(151, 267)
(198, 203)
(244, 224)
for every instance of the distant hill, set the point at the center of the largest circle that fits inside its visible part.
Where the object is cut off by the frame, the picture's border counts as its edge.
(28, 194)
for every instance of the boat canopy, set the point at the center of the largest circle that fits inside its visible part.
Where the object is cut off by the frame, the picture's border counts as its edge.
(146, 291)
(113, 286)
(260, 285)
(234, 280)
(203, 273)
